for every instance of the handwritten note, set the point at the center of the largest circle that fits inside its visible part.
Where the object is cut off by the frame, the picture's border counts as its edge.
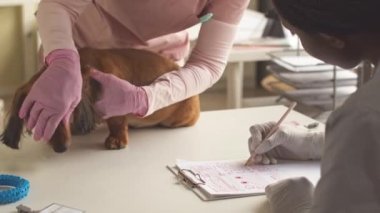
(223, 178)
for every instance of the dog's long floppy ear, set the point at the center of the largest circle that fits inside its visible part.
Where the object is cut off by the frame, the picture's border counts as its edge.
(13, 129)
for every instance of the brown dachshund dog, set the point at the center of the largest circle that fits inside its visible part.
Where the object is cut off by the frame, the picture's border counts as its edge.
(139, 67)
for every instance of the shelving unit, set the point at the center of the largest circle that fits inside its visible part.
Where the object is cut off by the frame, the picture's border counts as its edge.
(310, 81)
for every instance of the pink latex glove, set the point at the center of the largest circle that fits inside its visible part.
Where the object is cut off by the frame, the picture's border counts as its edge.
(54, 95)
(119, 97)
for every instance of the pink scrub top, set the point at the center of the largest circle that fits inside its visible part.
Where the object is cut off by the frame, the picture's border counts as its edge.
(156, 25)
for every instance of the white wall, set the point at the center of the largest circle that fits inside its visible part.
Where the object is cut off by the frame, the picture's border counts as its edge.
(11, 49)
(17, 43)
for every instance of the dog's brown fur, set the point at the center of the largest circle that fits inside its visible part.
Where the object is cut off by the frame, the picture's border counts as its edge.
(136, 66)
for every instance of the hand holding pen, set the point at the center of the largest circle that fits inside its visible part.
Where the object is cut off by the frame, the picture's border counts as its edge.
(289, 141)
(272, 130)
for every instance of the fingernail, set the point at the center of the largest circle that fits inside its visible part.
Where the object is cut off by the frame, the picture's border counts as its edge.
(274, 161)
(266, 161)
(37, 136)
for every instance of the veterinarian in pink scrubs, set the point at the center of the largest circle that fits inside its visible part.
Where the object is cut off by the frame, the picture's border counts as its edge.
(158, 25)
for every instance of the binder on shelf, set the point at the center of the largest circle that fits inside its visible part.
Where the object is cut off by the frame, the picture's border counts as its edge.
(216, 180)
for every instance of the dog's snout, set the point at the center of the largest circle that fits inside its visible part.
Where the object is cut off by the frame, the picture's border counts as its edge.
(59, 147)
(60, 141)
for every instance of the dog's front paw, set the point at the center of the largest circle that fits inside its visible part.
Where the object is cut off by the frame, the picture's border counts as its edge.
(115, 143)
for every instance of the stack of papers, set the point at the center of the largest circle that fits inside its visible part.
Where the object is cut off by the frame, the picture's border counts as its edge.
(250, 27)
(230, 179)
(250, 31)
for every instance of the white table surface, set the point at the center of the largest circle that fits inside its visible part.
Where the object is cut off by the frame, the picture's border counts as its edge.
(254, 52)
(135, 179)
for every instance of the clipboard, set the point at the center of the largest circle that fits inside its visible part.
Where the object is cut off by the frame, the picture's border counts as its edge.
(228, 179)
(194, 186)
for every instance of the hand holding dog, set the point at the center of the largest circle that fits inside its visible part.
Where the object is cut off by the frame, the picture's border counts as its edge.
(119, 97)
(54, 95)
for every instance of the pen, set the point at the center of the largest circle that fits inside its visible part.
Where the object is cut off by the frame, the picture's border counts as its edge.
(274, 128)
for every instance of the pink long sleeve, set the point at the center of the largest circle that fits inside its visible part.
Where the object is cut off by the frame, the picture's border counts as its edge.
(204, 67)
(55, 20)
(207, 60)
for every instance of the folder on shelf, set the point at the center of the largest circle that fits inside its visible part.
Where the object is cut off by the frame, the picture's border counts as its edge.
(321, 93)
(321, 97)
(299, 61)
(308, 80)
(215, 180)
(320, 79)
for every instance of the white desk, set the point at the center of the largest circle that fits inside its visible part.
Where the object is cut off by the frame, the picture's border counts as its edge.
(235, 69)
(135, 179)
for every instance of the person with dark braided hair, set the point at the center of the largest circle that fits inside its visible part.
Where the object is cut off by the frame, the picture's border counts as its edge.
(344, 33)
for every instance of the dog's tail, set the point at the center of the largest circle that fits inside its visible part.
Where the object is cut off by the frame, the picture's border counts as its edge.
(84, 115)
(84, 120)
